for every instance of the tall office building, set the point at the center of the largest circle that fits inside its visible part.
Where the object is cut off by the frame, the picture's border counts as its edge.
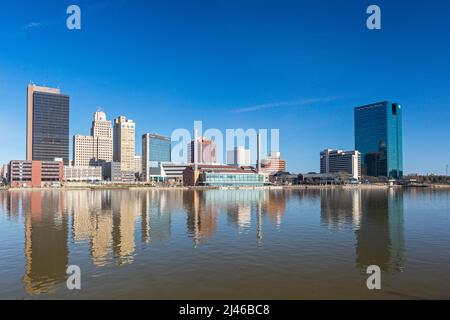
(124, 143)
(101, 127)
(96, 149)
(206, 151)
(156, 150)
(378, 136)
(239, 156)
(47, 124)
(334, 161)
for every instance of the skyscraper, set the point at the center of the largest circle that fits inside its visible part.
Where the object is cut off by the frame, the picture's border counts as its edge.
(239, 156)
(47, 124)
(96, 149)
(206, 151)
(156, 149)
(124, 143)
(378, 136)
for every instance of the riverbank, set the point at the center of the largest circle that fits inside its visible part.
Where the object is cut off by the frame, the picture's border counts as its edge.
(163, 188)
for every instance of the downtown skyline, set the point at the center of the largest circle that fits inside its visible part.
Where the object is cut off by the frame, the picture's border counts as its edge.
(292, 75)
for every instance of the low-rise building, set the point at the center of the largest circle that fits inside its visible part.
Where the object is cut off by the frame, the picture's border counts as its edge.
(222, 176)
(35, 174)
(284, 178)
(112, 172)
(83, 174)
(173, 172)
(325, 178)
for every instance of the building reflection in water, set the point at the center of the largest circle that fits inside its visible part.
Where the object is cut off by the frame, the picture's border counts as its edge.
(201, 216)
(377, 218)
(340, 208)
(108, 222)
(275, 205)
(46, 233)
(380, 238)
(92, 222)
(203, 207)
(126, 209)
(156, 214)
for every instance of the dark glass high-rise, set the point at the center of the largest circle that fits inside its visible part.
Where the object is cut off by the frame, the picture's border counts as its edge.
(378, 136)
(50, 126)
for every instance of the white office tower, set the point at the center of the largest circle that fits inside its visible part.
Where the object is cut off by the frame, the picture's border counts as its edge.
(238, 157)
(334, 161)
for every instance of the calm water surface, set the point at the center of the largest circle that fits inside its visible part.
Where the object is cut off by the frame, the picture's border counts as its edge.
(227, 244)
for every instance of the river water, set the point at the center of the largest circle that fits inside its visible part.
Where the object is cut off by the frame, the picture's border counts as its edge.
(225, 244)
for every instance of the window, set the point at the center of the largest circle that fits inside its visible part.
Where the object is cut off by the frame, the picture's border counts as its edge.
(394, 109)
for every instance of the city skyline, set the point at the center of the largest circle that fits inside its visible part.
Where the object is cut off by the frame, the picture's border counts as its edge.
(295, 72)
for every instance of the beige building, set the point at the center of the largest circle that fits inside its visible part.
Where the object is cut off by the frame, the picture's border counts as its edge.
(125, 143)
(82, 174)
(273, 164)
(96, 148)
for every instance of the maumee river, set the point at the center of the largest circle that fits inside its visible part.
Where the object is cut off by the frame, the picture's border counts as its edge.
(225, 244)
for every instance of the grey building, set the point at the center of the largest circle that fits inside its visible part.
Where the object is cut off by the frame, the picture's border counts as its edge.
(47, 124)
(112, 171)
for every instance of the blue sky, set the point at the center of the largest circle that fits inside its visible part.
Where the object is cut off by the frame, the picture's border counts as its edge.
(300, 66)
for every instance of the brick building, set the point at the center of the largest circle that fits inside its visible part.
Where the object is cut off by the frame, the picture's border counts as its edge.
(35, 174)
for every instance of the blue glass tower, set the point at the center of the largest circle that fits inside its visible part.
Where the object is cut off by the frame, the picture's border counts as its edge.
(378, 136)
(156, 150)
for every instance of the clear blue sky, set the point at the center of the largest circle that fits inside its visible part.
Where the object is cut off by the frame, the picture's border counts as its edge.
(299, 66)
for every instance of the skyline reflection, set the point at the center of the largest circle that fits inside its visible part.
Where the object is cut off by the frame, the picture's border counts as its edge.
(376, 216)
(114, 224)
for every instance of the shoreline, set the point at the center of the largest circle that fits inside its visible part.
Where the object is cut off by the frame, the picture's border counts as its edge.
(165, 188)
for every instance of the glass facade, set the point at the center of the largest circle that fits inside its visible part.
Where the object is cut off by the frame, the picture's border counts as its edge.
(50, 126)
(233, 179)
(378, 136)
(156, 149)
(160, 149)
